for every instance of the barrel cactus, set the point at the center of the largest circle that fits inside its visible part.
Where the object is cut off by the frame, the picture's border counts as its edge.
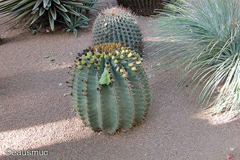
(110, 89)
(142, 7)
(116, 25)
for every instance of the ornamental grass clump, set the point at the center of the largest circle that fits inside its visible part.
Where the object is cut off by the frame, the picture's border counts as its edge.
(203, 40)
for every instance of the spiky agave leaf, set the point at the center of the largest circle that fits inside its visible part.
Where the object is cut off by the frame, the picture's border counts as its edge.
(76, 22)
(203, 41)
(32, 10)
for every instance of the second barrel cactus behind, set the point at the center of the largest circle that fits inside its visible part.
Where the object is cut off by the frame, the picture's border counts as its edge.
(116, 25)
(110, 88)
(142, 7)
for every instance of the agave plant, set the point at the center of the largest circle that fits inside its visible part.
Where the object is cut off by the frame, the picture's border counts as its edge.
(33, 10)
(89, 4)
(204, 41)
(76, 22)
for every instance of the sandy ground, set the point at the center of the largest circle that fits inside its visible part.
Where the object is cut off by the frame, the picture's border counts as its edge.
(35, 115)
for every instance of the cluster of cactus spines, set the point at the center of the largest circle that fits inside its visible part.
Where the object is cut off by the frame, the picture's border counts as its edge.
(142, 7)
(117, 25)
(110, 88)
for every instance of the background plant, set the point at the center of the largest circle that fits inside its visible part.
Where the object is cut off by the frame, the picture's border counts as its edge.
(30, 12)
(203, 41)
(117, 25)
(142, 7)
(76, 22)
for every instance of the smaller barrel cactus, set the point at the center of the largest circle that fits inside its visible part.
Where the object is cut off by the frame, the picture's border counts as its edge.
(142, 7)
(117, 25)
(110, 88)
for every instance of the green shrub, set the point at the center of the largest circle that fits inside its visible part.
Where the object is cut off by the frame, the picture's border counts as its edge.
(42, 10)
(110, 88)
(204, 41)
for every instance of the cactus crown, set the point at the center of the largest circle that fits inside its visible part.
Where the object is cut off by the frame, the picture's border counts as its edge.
(110, 88)
(104, 52)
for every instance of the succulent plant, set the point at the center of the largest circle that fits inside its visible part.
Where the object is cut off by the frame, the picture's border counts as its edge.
(31, 11)
(117, 25)
(110, 89)
(76, 22)
(142, 7)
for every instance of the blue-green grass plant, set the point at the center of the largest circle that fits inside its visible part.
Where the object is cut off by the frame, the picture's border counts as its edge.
(203, 40)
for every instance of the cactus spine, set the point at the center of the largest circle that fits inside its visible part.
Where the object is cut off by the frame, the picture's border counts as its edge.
(110, 88)
(142, 7)
(116, 25)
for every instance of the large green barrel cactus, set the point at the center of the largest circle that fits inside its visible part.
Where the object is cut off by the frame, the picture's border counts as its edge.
(142, 7)
(110, 89)
(116, 25)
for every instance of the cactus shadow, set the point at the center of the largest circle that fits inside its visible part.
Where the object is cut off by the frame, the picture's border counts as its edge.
(170, 131)
(34, 98)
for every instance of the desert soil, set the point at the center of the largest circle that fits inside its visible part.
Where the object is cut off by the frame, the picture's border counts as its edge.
(35, 114)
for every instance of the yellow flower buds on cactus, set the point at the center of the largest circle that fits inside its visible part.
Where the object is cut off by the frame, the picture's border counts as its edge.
(107, 64)
(79, 67)
(118, 53)
(124, 75)
(138, 62)
(133, 68)
(122, 70)
(83, 61)
(91, 61)
(118, 68)
(130, 55)
(134, 58)
(122, 57)
(130, 64)
(87, 65)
